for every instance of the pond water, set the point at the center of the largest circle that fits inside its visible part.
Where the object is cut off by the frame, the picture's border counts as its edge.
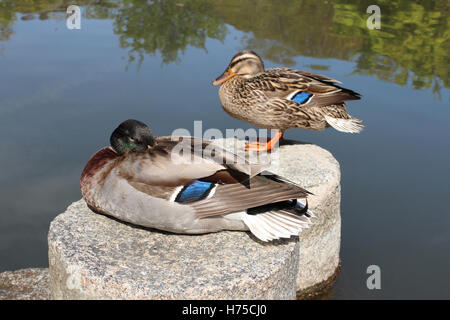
(63, 91)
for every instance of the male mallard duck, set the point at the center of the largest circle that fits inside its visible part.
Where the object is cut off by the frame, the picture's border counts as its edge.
(283, 98)
(142, 179)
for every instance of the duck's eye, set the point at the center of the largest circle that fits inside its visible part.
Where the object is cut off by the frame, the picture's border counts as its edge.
(131, 139)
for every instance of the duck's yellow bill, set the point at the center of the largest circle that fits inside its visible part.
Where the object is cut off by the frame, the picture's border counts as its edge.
(224, 77)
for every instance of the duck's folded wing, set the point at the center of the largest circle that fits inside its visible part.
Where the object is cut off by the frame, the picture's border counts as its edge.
(320, 86)
(160, 169)
(302, 74)
(285, 83)
(228, 198)
(163, 165)
(200, 150)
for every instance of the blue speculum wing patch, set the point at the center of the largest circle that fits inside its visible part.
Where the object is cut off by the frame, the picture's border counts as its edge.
(195, 191)
(301, 97)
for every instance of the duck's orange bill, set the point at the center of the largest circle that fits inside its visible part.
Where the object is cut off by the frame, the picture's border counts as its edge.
(224, 77)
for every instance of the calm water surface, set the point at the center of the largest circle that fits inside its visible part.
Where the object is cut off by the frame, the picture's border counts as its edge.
(63, 91)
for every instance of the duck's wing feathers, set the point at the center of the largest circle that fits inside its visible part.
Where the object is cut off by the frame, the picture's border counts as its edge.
(209, 185)
(200, 150)
(180, 161)
(302, 87)
(211, 198)
(228, 198)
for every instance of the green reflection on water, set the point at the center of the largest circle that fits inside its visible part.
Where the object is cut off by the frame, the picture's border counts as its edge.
(166, 27)
(410, 48)
(414, 35)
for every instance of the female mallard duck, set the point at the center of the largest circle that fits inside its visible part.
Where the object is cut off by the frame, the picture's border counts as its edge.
(144, 180)
(283, 98)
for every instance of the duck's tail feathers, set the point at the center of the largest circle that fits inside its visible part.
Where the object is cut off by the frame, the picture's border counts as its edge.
(276, 224)
(352, 125)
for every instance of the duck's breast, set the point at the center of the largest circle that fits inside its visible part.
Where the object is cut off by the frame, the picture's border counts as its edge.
(95, 172)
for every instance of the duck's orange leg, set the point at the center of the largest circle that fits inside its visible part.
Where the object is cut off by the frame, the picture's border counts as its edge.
(260, 146)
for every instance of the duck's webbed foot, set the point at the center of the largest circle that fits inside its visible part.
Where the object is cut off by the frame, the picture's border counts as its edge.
(264, 146)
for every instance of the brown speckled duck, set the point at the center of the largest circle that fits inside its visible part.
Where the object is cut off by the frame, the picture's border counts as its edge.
(283, 98)
(142, 179)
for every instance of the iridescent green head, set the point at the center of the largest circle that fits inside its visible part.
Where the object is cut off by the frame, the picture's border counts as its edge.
(131, 136)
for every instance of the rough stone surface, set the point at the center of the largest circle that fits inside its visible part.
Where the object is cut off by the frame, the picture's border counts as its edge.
(25, 284)
(95, 257)
(92, 256)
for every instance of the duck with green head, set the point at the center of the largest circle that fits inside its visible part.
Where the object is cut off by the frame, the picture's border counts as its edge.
(141, 179)
(283, 98)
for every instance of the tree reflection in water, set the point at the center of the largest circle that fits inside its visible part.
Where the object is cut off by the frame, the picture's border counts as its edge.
(411, 48)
